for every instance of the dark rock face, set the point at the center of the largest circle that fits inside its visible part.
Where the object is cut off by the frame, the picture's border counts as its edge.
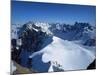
(13, 43)
(14, 52)
(90, 42)
(32, 40)
(92, 65)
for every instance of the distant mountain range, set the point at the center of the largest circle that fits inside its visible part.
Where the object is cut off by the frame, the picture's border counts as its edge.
(83, 32)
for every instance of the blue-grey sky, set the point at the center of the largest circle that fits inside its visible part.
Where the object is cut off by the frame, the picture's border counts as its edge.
(23, 12)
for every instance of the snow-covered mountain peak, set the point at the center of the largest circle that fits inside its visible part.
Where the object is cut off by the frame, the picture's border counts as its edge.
(70, 47)
(65, 55)
(44, 26)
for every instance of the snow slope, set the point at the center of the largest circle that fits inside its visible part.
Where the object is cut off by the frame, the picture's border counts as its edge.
(13, 67)
(65, 55)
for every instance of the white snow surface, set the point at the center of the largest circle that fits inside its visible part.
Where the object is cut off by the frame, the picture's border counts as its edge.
(13, 67)
(44, 26)
(67, 54)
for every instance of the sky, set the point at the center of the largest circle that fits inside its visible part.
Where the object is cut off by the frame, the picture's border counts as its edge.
(22, 12)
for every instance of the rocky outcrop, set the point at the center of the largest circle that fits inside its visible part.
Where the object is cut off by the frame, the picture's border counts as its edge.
(92, 65)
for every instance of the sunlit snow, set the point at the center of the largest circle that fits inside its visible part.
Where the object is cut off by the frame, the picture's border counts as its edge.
(67, 54)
